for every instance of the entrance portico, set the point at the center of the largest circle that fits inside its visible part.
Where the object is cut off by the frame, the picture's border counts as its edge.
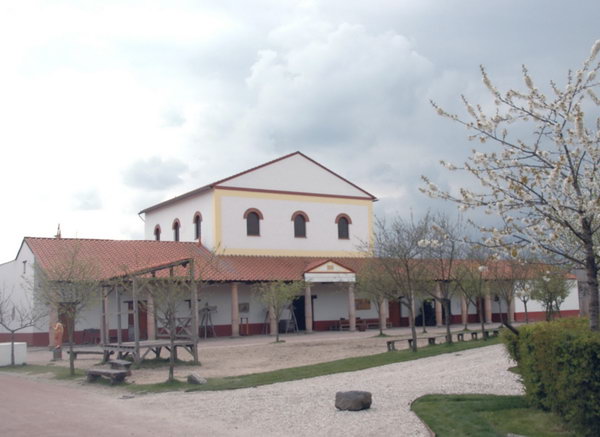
(329, 272)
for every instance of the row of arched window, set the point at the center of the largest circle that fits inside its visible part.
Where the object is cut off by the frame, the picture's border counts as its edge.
(253, 217)
(197, 222)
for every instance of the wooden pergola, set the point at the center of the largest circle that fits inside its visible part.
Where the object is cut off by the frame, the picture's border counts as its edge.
(137, 348)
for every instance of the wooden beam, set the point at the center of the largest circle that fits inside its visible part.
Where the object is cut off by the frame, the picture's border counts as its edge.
(136, 322)
(103, 317)
(119, 321)
(195, 324)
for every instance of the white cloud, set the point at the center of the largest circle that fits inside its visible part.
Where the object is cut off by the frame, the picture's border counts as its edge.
(91, 91)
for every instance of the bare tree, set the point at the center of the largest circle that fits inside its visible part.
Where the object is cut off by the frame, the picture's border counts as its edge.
(167, 295)
(551, 289)
(69, 286)
(542, 177)
(278, 296)
(17, 316)
(444, 247)
(398, 253)
(376, 285)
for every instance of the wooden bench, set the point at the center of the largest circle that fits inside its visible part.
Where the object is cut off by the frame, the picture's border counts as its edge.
(115, 376)
(121, 365)
(473, 336)
(83, 352)
(460, 336)
(391, 344)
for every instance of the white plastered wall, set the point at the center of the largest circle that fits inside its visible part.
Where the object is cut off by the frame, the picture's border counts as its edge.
(570, 303)
(183, 210)
(277, 227)
(295, 174)
(17, 280)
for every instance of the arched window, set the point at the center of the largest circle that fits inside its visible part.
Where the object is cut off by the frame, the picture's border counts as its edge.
(299, 218)
(197, 226)
(176, 226)
(343, 222)
(157, 232)
(253, 217)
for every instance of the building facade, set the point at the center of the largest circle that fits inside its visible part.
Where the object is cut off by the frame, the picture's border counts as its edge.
(288, 219)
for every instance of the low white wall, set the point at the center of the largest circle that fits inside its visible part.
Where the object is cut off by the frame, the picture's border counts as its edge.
(20, 354)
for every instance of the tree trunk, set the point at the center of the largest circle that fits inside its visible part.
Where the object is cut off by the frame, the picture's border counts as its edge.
(71, 354)
(12, 348)
(413, 329)
(500, 309)
(423, 315)
(526, 314)
(447, 309)
(481, 317)
(276, 329)
(591, 268)
(381, 314)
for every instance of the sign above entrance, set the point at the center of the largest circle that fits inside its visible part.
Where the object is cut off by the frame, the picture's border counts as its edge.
(329, 271)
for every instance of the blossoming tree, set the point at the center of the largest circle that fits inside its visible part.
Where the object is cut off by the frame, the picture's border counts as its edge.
(538, 169)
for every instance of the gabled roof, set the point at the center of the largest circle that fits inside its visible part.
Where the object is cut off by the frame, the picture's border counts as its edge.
(115, 258)
(221, 181)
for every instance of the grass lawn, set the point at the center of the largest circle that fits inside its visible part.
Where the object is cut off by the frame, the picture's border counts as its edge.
(311, 371)
(486, 415)
(59, 372)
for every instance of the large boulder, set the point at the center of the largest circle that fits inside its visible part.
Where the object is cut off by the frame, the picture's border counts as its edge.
(194, 378)
(353, 400)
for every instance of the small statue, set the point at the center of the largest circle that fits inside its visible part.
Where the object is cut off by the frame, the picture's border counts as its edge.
(59, 330)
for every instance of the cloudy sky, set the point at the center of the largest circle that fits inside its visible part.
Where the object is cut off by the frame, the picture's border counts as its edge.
(107, 107)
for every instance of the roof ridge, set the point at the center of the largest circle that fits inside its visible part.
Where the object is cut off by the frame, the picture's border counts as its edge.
(112, 240)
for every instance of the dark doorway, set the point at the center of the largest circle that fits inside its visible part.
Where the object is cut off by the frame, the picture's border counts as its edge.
(429, 314)
(143, 320)
(300, 313)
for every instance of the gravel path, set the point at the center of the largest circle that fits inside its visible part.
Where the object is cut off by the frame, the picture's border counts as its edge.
(306, 407)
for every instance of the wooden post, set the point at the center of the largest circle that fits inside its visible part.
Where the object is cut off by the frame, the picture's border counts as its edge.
(351, 307)
(308, 315)
(488, 308)
(151, 318)
(119, 321)
(195, 324)
(464, 310)
(136, 322)
(103, 317)
(235, 311)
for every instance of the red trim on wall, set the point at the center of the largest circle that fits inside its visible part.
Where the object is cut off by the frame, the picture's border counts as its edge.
(346, 216)
(295, 193)
(302, 213)
(249, 210)
(537, 316)
(32, 339)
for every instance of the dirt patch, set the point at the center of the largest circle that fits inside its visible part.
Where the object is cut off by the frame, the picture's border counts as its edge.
(240, 356)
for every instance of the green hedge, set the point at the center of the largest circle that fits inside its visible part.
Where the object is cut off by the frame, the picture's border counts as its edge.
(559, 363)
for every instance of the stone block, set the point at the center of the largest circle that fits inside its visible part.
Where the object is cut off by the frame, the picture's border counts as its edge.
(353, 400)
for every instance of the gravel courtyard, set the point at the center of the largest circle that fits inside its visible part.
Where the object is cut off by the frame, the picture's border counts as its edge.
(302, 408)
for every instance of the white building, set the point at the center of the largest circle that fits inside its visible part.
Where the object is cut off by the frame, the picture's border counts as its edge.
(288, 219)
